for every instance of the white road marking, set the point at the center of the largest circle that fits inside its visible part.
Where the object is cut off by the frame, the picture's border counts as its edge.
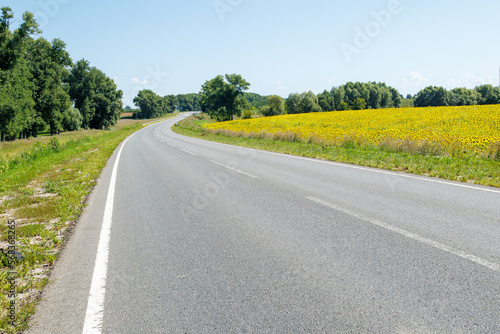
(183, 150)
(345, 165)
(171, 145)
(95, 304)
(234, 169)
(452, 250)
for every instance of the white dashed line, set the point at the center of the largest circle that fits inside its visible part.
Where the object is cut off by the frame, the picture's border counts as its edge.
(183, 150)
(452, 250)
(234, 169)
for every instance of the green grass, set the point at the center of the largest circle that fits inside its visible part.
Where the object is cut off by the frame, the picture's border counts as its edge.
(44, 184)
(457, 167)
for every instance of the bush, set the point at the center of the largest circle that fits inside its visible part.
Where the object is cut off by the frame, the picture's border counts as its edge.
(247, 114)
(54, 143)
(266, 111)
(72, 119)
(344, 106)
(494, 151)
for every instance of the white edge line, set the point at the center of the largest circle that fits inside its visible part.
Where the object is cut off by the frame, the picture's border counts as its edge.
(346, 165)
(95, 304)
(464, 255)
(183, 150)
(234, 169)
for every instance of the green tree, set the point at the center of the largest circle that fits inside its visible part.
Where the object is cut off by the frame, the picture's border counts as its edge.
(72, 119)
(292, 104)
(171, 103)
(256, 100)
(359, 104)
(81, 89)
(344, 106)
(375, 99)
(48, 65)
(188, 102)
(16, 103)
(220, 96)
(276, 106)
(432, 97)
(325, 101)
(338, 94)
(107, 101)
(463, 97)
(247, 114)
(489, 94)
(94, 95)
(396, 97)
(151, 104)
(309, 103)
(385, 98)
(376, 95)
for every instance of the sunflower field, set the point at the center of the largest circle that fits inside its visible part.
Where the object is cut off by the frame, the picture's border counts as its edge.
(470, 127)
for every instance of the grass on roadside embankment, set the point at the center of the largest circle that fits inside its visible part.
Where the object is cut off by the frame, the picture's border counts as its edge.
(462, 167)
(44, 184)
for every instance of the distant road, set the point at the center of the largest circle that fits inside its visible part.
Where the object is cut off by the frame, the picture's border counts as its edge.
(212, 238)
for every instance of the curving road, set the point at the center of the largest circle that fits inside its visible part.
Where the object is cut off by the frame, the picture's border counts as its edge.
(212, 238)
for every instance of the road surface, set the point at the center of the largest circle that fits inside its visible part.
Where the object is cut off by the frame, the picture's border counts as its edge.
(201, 237)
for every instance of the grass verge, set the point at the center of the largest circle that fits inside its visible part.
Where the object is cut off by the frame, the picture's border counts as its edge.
(44, 184)
(463, 167)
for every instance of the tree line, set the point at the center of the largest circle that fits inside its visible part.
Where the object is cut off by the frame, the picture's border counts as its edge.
(224, 97)
(152, 105)
(352, 95)
(41, 87)
(433, 96)
(185, 102)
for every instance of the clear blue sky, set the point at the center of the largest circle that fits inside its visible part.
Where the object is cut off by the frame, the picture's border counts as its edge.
(279, 46)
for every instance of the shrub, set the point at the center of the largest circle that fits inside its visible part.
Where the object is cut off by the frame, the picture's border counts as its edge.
(247, 114)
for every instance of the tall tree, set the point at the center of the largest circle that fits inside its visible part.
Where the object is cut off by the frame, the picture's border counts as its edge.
(151, 104)
(359, 104)
(48, 65)
(432, 96)
(276, 106)
(171, 103)
(94, 95)
(292, 104)
(16, 103)
(220, 96)
(325, 101)
(107, 102)
(489, 94)
(81, 90)
(463, 97)
(309, 103)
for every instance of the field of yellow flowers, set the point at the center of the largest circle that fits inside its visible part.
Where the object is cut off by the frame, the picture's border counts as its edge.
(470, 127)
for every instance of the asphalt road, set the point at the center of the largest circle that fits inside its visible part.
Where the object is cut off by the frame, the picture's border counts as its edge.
(212, 238)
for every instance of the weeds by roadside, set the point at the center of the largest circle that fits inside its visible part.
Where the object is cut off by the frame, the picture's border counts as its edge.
(44, 184)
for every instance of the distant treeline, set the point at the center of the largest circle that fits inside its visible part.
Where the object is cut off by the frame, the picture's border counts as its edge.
(438, 96)
(373, 95)
(40, 86)
(152, 105)
(352, 95)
